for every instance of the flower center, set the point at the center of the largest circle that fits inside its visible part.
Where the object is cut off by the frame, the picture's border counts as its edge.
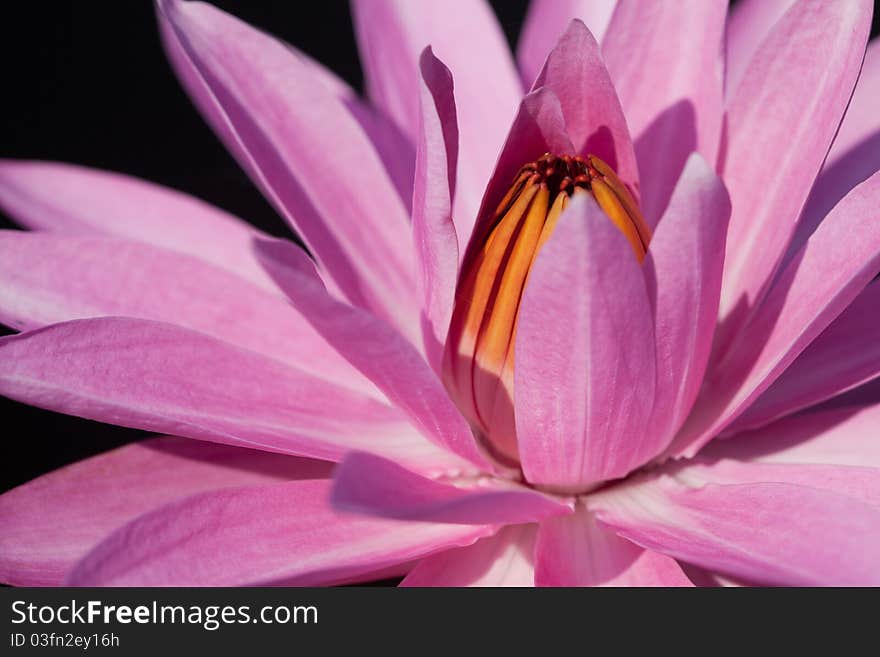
(478, 359)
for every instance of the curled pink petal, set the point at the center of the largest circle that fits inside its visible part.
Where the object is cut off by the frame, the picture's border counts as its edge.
(465, 35)
(364, 483)
(434, 232)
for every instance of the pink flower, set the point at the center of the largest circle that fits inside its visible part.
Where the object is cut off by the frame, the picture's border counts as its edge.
(676, 303)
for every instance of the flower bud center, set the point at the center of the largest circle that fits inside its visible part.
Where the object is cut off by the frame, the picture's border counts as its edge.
(478, 359)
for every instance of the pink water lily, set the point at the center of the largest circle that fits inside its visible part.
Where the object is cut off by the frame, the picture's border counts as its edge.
(560, 323)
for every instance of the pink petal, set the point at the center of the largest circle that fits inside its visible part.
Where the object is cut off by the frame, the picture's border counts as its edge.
(307, 153)
(835, 265)
(839, 436)
(374, 486)
(767, 532)
(860, 121)
(574, 71)
(545, 23)
(867, 394)
(538, 128)
(780, 125)
(391, 145)
(75, 200)
(214, 113)
(160, 377)
(282, 534)
(465, 35)
(50, 277)
(859, 482)
(673, 101)
(505, 559)
(843, 357)
(51, 522)
(749, 24)
(683, 270)
(577, 551)
(380, 353)
(433, 229)
(584, 368)
(854, 155)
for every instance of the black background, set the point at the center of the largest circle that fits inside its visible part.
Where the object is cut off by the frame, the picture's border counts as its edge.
(87, 82)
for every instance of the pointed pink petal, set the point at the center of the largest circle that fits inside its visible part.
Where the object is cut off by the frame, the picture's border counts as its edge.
(50, 277)
(836, 264)
(538, 128)
(42, 538)
(749, 24)
(780, 125)
(772, 532)
(575, 71)
(164, 378)
(433, 229)
(64, 198)
(380, 353)
(843, 357)
(584, 368)
(307, 153)
(281, 534)
(840, 436)
(577, 551)
(545, 23)
(505, 559)
(854, 155)
(391, 145)
(673, 102)
(465, 35)
(367, 484)
(683, 269)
